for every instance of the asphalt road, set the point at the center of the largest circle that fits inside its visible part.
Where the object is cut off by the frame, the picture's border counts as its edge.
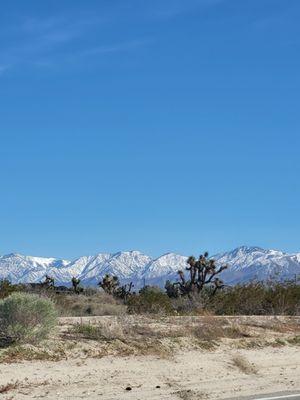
(273, 396)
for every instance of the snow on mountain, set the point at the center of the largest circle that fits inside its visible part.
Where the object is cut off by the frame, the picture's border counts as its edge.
(245, 264)
(126, 265)
(19, 268)
(73, 268)
(163, 268)
(255, 263)
(93, 264)
(83, 268)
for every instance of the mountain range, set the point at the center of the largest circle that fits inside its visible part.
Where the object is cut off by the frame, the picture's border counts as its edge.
(245, 264)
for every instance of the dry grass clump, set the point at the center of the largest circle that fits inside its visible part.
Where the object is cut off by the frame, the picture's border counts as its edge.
(30, 353)
(275, 324)
(148, 331)
(172, 333)
(97, 304)
(244, 365)
(4, 389)
(295, 340)
(189, 394)
(129, 327)
(210, 328)
(123, 336)
(8, 387)
(104, 330)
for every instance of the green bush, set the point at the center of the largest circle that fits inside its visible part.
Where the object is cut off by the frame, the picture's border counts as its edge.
(26, 318)
(150, 300)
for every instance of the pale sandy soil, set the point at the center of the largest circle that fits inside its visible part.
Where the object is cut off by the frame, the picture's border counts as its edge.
(193, 373)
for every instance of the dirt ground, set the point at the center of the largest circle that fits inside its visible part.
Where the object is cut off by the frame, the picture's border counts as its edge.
(263, 356)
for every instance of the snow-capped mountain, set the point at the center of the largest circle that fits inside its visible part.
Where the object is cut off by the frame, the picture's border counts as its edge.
(163, 268)
(127, 265)
(19, 268)
(245, 264)
(248, 263)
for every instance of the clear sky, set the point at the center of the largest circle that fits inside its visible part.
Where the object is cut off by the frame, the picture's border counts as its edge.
(162, 125)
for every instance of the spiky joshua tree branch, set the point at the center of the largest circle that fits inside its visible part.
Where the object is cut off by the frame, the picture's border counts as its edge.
(202, 272)
(75, 283)
(111, 285)
(48, 282)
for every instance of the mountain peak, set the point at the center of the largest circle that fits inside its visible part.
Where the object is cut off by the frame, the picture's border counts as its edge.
(128, 253)
(245, 263)
(11, 255)
(248, 249)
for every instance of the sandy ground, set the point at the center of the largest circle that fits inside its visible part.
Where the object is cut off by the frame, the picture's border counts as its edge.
(188, 375)
(192, 375)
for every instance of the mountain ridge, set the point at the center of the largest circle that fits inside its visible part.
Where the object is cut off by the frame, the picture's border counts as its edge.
(245, 263)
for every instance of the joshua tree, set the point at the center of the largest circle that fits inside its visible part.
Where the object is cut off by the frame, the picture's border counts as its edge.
(48, 282)
(75, 284)
(123, 292)
(202, 272)
(111, 285)
(172, 289)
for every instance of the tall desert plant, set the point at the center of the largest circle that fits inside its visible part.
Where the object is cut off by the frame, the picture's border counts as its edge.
(111, 285)
(202, 272)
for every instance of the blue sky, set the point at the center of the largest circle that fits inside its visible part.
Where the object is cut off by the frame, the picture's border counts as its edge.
(162, 125)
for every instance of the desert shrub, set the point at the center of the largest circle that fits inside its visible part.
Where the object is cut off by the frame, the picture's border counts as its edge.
(150, 300)
(81, 305)
(26, 318)
(283, 298)
(240, 299)
(190, 305)
(257, 298)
